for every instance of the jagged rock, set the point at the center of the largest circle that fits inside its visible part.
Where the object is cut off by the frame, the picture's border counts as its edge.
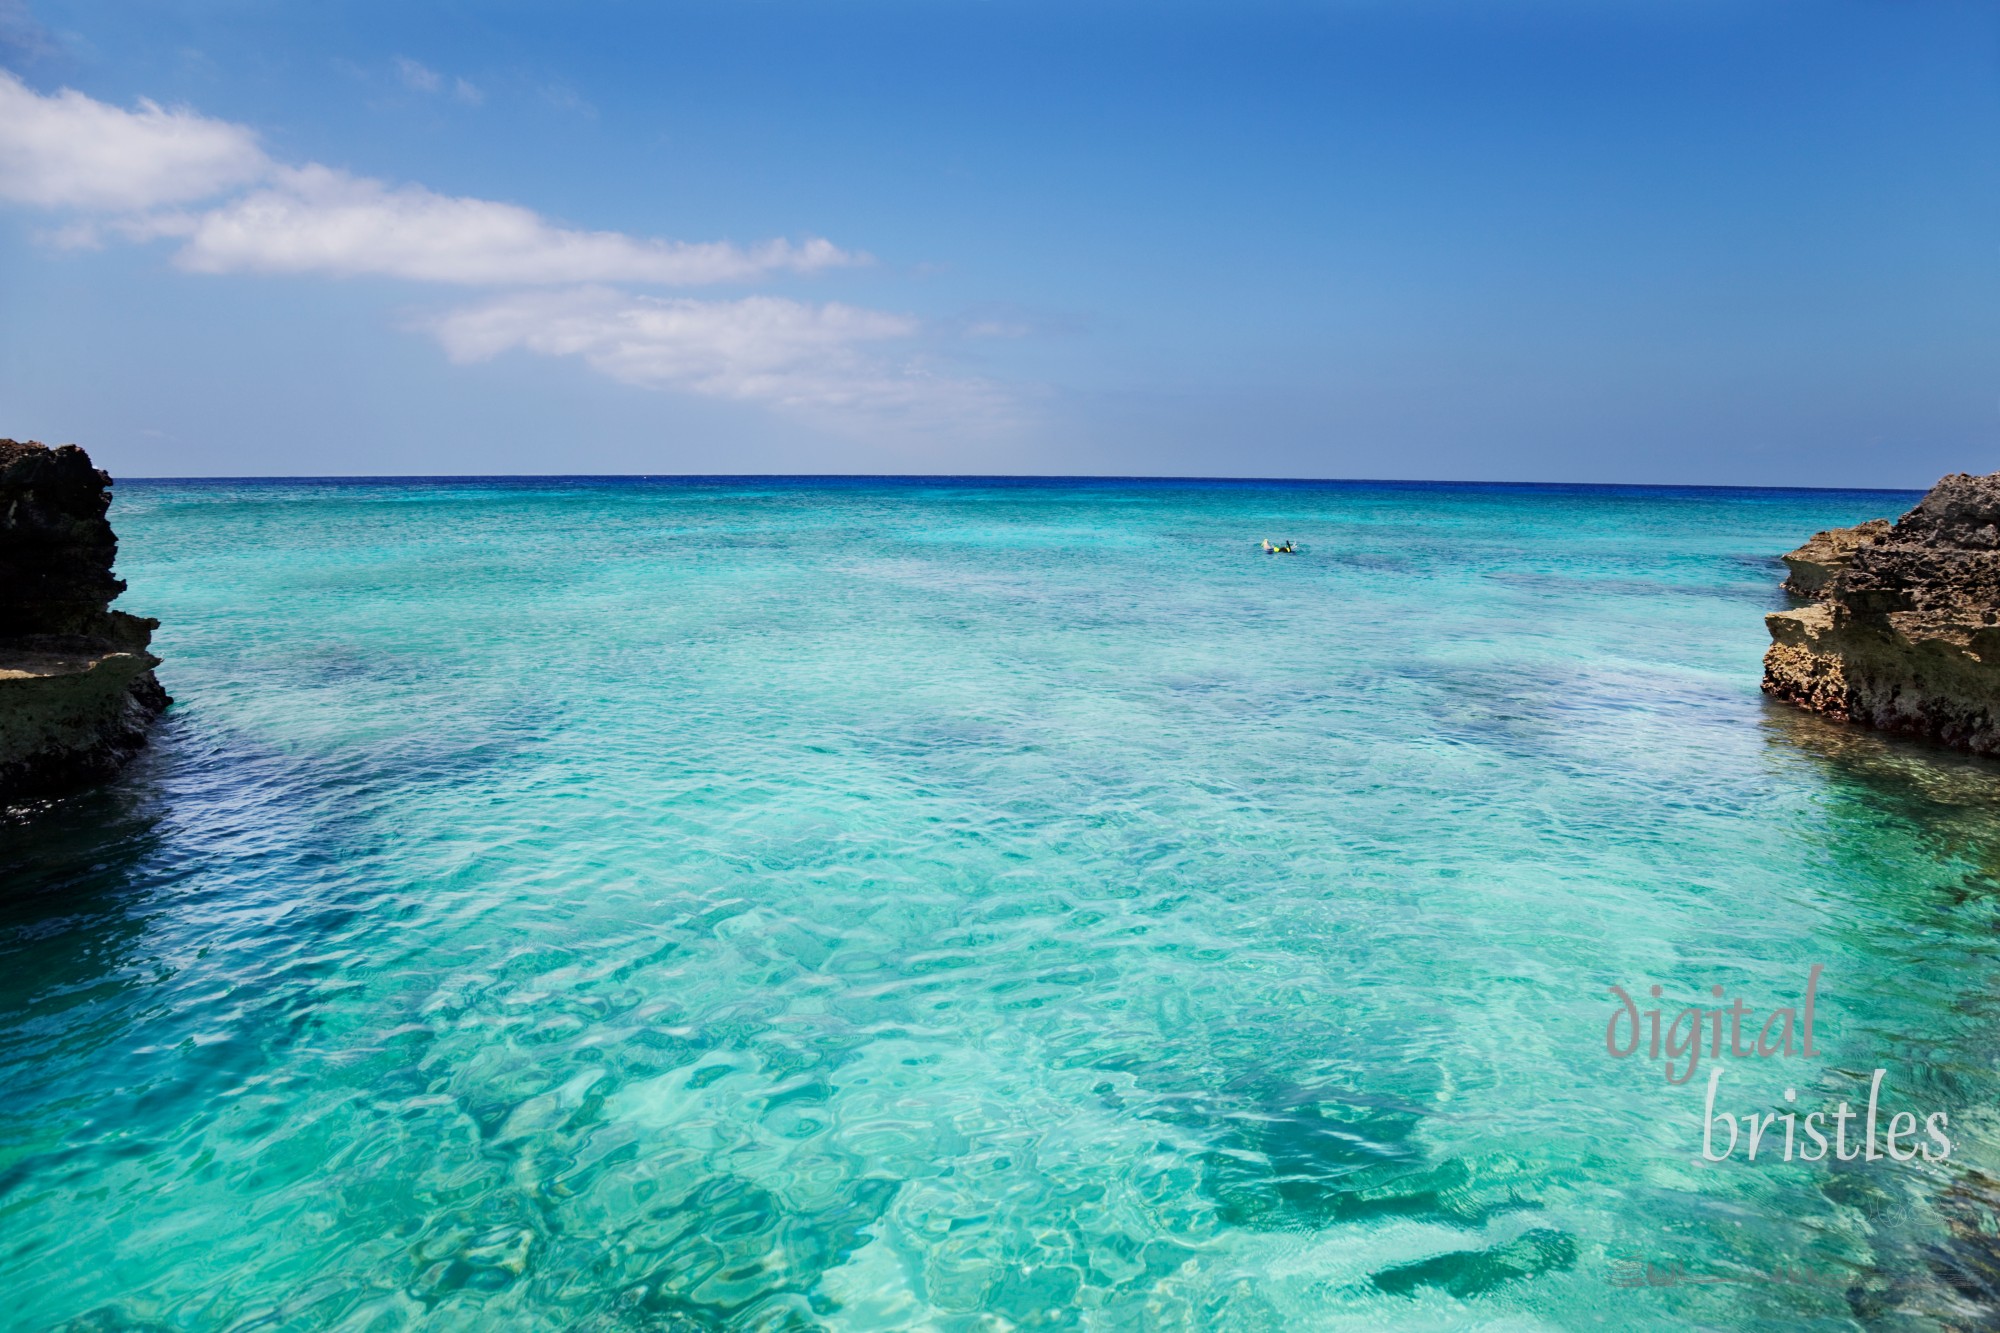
(1905, 634)
(1816, 565)
(77, 690)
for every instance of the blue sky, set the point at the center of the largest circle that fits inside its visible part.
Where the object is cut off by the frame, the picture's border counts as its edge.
(1625, 240)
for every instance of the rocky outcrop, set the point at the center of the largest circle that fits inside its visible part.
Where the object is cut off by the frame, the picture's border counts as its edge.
(1904, 634)
(1816, 565)
(77, 691)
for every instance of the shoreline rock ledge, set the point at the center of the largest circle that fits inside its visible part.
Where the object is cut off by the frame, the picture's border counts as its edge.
(77, 691)
(1902, 629)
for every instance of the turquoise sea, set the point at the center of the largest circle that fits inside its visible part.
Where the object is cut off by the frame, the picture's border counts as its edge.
(966, 905)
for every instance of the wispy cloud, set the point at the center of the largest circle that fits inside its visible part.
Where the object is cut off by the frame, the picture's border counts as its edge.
(421, 78)
(562, 97)
(832, 362)
(314, 219)
(417, 76)
(71, 151)
(20, 34)
(998, 328)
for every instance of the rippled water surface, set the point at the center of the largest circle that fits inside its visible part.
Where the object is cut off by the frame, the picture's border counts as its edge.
(947, 906)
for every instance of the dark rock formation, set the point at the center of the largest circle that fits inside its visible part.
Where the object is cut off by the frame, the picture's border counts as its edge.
(77, 690)
(1905, 632)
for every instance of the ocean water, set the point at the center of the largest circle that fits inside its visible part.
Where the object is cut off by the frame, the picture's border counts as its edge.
(973, 906)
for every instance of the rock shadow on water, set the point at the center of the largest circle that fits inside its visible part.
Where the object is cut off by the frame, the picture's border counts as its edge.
(73, 874)
(1909, 775)
(76, 887)
(1875, 790)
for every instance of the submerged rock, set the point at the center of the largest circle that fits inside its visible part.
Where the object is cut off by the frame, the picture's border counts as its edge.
(1905, 632)
(77, 691)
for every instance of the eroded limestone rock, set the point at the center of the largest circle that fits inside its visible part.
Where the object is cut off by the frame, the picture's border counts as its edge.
(1904, 634)
(1816, 565)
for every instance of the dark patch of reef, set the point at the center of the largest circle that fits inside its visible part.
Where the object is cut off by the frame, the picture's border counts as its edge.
(77, 690)
(1901, 631)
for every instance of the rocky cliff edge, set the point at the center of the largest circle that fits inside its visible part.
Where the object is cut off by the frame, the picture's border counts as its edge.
(1903, 629)
(77, 691)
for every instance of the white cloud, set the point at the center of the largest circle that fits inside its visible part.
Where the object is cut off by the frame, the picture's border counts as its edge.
(467, 92)
(71, 151)
(145, 174)
(317, 220)
(416, 76)
(828, 361)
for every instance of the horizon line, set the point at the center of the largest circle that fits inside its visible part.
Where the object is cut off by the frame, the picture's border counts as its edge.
(1005, 478)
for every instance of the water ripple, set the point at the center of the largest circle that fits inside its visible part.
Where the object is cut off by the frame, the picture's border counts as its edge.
(742, 905)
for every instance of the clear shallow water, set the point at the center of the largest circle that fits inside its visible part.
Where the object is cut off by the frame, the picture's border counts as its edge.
(861, 906)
